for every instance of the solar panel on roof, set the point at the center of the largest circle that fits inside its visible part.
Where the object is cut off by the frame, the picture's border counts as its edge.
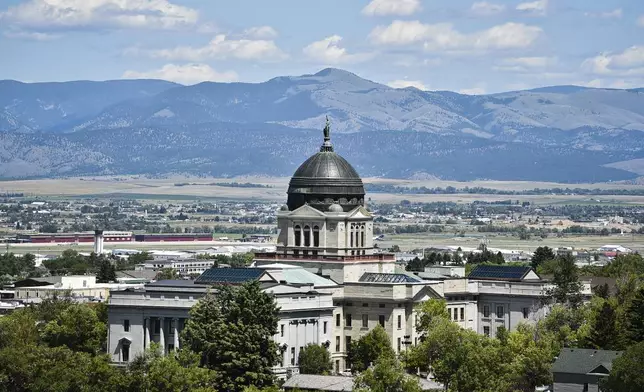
(500, 272)
(229, 275)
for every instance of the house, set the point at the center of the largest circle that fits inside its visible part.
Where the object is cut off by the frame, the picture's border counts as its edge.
(580, 370)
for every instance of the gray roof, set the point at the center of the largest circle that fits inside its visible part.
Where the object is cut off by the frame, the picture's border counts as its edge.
(341, 383)
(137, 274)
(583, 361)
(373, 277)
(321, 383)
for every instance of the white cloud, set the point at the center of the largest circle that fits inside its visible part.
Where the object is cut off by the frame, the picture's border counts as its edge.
(483, 8)
(392, 7)
(472, 91)
(538, 7)
(628, 62)
(403, 83)
(329, 51)
(604, 83)
(185, 74)
(261, 32)
(34, 35)
(221, 47)
(614, 14)
(443, 36)
(73, 14)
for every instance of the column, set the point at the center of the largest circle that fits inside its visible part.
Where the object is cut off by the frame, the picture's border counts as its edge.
(176, 333)
(146, 333)
(162, 335)
(302, 236)
(311, 239)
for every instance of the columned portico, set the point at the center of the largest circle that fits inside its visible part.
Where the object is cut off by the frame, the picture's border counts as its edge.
(162, 334)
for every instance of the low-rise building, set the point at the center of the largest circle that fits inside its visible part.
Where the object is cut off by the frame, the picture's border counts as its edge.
(78, 286)
(580, 370)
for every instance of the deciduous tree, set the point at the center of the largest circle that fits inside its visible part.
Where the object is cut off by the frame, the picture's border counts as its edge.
(369, 348)
(315, 359)
(626, 373)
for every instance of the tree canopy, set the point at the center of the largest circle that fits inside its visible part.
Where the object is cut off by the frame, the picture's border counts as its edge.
(626, 374)
(369, 348)
(315, 359)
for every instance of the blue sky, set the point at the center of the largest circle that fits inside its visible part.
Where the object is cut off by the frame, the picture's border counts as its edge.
(469, 46)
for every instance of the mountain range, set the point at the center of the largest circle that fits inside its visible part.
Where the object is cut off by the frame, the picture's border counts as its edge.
(561, 133)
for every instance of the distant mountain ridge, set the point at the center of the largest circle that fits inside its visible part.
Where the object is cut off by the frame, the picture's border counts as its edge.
(558, 133)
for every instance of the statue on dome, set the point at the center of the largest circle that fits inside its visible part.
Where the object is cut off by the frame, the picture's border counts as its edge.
(327, 129)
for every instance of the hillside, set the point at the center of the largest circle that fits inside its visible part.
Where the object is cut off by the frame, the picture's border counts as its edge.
(559, 133)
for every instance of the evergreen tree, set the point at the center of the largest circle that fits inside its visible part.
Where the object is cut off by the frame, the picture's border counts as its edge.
(106, 271)
(604, 334)
(567, 288)
(635, 319)
(541, 254)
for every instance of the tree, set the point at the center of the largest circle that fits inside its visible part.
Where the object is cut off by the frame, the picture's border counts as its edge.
(315, 359)
(626, 374)
(635, 319)
(167, 274)
(106, 271)
(567, 288)
(604, 334)
(541, 254)
(77, 328)
(233, 332)
(387, 375)
(372, 346)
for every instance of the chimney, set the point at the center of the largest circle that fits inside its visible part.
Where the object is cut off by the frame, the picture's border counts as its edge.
(98, 242)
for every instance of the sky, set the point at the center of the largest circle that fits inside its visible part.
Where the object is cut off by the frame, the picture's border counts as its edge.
(469, 46)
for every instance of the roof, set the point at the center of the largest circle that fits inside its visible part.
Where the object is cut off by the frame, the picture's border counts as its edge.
(325, 178)
(296, 275)
(230, 275)
(341, 383)
(320, 383)
(500, 272)
(372, 277)
(137, 274)
(584, 361)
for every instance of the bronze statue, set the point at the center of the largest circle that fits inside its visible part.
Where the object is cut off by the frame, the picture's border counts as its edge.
(327, 129)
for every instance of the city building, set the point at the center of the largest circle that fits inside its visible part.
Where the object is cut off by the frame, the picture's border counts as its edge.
(78, 286)
(324, 226)
(580, 370)
(158, 311)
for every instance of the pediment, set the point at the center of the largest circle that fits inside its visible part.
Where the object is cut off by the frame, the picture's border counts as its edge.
(306, 211)
(360, 212)
(601, 369)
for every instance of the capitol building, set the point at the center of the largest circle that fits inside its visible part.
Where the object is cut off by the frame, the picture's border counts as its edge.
(330, 284)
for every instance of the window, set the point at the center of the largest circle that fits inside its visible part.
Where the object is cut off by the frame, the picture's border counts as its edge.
(365, 321)
(172, 326)
(449, 311)
(349, 304)
(337, 320)
(125, 353)
(455, 314)
(526, 312)
(365, 305)
(298, 235)
(282, 330)
(486, 311)
(337, 344)
(499, 312)
(316, 236)
(292, 355)
(347, 343)
(324, 327)
(126, 325)
(348, 320)
(398, 345)
(307, 236)
(399, 321)
(486, 331)
(381, 305)
(381, 320)
(157, 326)
(170, 347)
(337, 366)
(585, 387)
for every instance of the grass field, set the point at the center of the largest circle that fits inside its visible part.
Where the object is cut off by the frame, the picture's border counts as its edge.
(164, 189)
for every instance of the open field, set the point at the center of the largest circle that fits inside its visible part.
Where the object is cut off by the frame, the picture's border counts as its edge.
(415, 241)
(164, 189)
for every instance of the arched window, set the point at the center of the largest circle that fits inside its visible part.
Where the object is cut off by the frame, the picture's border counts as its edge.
(316, 236)
(362, 236)
(298, 235)
(307, 236)
(351, 231)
